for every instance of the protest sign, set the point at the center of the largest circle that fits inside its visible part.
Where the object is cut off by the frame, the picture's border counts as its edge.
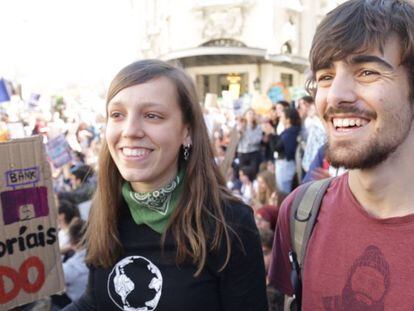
(230, 152)
(30, 264)
(58, 151)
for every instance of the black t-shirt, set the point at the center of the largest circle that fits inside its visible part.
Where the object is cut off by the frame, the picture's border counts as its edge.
(144, 278)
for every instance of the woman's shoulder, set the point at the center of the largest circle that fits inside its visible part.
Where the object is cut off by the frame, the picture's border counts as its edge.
(237, 213)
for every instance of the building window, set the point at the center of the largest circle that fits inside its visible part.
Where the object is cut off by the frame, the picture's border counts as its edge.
(286, 79)
(286, 48)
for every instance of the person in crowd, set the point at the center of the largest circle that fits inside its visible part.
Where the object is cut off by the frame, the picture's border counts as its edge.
(320, 168)
(248, 149)
(362, 69)
(266, 147)
(274, 297)
(285, 146)
(313, 134)
(220, 154)
(75, 270)
(233, 183)
(266, 238)
(304, 104)
(4, 130)
(67, 211)
(84, 135)
(164, 232)
(266, 186)
(83, 183)
(248, 184)
(279, 125)
(266, 217)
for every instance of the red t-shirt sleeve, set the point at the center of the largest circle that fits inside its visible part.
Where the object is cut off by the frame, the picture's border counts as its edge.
(280, 268)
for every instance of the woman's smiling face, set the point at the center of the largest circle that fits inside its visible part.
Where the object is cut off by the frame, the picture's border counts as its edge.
(144, 133)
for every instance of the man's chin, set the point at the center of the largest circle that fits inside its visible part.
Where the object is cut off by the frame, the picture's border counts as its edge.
(341, 157)
(361, 159)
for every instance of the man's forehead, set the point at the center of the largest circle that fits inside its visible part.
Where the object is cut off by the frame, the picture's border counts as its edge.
(373, 52)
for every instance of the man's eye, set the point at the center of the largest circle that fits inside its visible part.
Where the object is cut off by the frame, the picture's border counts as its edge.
(324, 78)
(366, 73)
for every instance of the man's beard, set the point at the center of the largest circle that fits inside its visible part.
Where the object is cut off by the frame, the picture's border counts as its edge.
(372, 155)
(375, 151)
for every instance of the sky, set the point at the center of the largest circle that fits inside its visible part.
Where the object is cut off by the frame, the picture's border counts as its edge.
(50, 45)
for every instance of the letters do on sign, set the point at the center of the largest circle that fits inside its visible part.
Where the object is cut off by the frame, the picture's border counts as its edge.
(20, 279)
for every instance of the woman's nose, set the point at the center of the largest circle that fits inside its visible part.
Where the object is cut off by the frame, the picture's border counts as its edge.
(133, 128)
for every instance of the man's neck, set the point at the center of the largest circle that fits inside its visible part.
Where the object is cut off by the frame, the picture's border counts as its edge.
(387, 189)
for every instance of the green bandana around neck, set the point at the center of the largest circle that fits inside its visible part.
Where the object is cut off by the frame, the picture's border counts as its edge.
(154, 208)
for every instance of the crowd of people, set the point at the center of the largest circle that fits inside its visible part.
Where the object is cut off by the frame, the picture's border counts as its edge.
(267, 161)
(201, 216)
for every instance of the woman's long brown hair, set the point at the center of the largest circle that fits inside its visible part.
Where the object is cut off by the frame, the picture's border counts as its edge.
(197, 224)
(270, 182)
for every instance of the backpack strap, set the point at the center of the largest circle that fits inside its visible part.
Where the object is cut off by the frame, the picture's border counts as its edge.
(303, 215)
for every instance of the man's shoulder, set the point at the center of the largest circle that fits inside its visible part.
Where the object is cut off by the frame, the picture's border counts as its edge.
(336, 185)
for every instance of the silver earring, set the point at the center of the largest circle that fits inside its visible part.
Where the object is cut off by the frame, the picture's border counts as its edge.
(186, 151)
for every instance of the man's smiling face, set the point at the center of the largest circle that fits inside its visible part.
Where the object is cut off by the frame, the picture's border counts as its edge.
(365, 106)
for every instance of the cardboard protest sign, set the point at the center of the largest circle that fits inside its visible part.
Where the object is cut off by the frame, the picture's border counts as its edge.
(59, 151)
(30, 264)
(230, 152)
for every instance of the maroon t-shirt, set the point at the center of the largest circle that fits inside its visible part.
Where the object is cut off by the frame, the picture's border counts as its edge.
(354, 260)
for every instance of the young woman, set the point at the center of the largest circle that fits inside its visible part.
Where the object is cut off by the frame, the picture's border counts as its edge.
(164, 232)
(285, 145)
(248, 149)
(266, 186)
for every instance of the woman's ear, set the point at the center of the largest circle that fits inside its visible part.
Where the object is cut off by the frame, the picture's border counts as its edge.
(187, 139)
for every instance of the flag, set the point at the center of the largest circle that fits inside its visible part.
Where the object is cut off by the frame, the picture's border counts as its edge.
(4, 93)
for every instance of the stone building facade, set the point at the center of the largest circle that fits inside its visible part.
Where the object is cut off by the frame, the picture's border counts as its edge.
(246, 45)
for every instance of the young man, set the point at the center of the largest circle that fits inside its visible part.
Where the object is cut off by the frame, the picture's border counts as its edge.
(359, 256)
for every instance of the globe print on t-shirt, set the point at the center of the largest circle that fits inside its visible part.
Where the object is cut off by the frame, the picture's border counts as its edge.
(135, 284)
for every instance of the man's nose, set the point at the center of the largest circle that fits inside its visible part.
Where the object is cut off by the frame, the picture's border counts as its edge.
(342, 89)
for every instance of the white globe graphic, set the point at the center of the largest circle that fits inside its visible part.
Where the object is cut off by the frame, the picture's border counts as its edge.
(124, 284)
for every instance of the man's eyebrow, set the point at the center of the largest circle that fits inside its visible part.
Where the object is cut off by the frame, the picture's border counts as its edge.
(324, 66)
(360, 59)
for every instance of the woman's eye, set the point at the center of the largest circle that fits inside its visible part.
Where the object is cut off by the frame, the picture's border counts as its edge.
(152, 116)
(115, 115)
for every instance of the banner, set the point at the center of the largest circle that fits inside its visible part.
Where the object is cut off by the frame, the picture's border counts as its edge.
(30, 264)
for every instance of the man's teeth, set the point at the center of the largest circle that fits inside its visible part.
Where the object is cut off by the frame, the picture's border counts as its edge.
(349, 122)
(135, 152)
